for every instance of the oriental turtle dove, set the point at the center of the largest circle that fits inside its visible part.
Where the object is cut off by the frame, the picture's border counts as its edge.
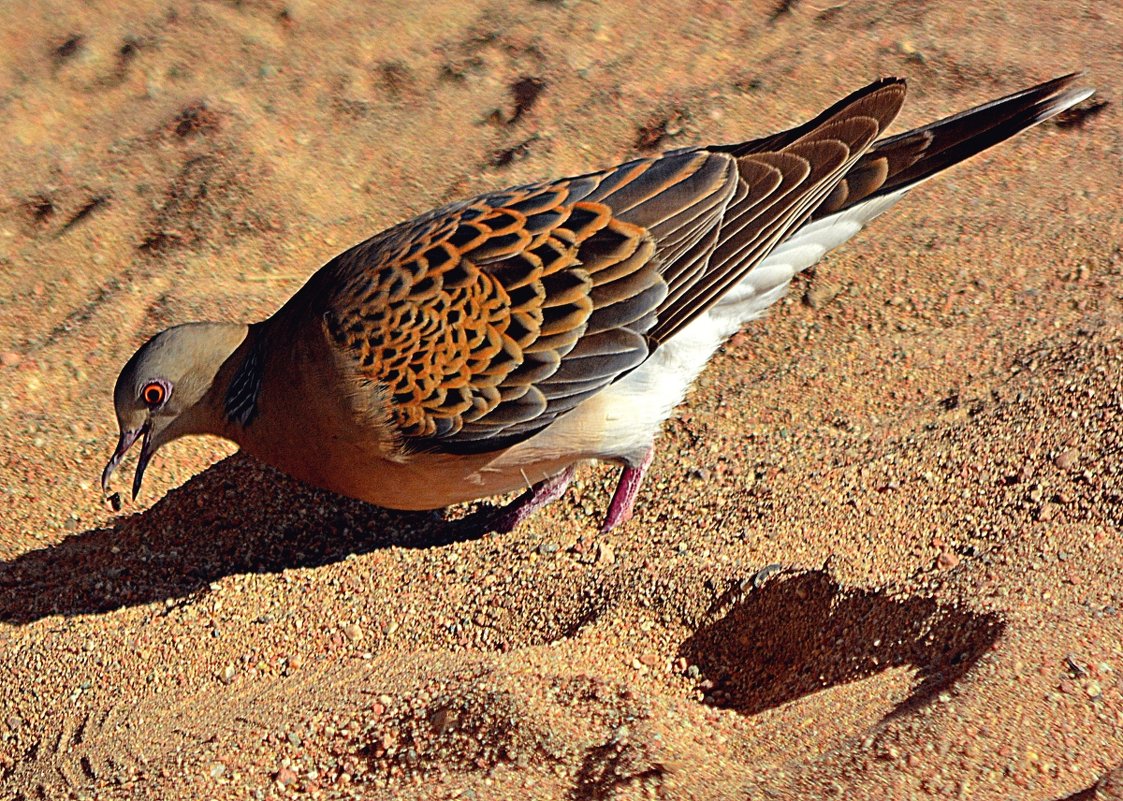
(494, 343)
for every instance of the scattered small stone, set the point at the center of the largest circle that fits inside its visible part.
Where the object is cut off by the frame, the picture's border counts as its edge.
(819, 295)
(947, 560)
(10, 358)
(227, 675)
(1067, 459)
(909, 50)
(388, 742)
(547, 548)
(217, 770)
(352, 631)
(605, 553)
(285, 777)
(443, 720)
(762, 575)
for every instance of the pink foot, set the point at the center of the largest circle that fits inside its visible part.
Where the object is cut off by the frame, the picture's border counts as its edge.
(542, 493)
(620, 510)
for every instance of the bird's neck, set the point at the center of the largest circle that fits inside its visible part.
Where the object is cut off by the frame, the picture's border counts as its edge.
(232, 397)
(261, 390)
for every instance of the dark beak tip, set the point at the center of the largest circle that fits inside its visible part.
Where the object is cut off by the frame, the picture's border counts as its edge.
(142, 460)
(126, 441)
(110, 468)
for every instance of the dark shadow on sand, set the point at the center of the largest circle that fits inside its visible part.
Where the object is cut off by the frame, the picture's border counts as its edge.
(236, 517)
(803, 633)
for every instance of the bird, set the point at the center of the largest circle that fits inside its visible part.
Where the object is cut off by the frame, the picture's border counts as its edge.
(495, 343)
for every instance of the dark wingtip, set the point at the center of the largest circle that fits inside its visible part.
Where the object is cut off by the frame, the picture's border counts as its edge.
(917, 155)
(884, 112)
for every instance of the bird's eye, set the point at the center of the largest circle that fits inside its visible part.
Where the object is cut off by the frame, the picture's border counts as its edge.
(154, 394)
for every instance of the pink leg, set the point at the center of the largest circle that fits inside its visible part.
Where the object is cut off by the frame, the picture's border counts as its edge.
(620, 510)
(542, 493)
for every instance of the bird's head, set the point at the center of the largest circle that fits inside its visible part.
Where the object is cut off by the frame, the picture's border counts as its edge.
(160, 393)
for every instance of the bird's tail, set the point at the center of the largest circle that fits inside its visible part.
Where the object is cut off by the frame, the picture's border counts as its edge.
(901, 162)
(883, 175)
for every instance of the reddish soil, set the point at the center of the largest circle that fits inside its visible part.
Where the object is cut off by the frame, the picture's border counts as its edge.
(878, 556)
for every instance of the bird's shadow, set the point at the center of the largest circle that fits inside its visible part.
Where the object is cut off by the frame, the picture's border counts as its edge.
(804, 632)
(236, 517)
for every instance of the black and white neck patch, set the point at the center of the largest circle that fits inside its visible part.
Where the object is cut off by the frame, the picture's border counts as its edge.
(241, 397)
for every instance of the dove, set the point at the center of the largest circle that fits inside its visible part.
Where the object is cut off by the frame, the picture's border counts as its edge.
(496, 343)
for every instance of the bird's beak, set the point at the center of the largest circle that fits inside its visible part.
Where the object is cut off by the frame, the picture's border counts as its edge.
(126, 441)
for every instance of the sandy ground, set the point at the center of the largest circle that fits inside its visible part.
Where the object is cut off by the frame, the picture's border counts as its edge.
(878, 556)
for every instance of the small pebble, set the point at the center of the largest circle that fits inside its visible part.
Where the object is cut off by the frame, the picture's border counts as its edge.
(947, 560)
(352, 631)
(285, 777)
(1067, 459)
(10, 358)
(762, 575)
(820, 294)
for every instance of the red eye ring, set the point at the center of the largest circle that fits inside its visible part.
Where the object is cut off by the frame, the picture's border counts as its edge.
(153, 394)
